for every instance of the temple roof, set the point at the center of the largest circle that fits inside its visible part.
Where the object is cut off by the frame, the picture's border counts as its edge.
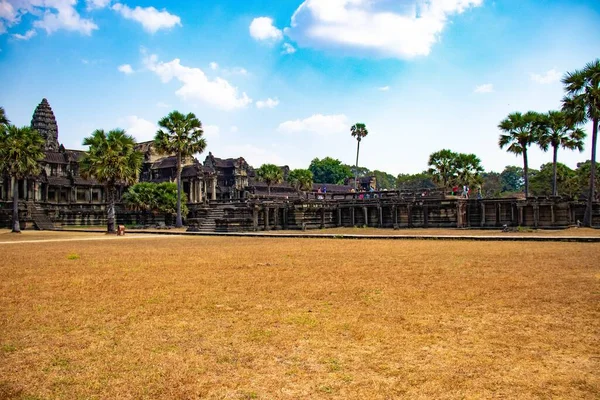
(58, 181)
(54, 157)
(44, 122)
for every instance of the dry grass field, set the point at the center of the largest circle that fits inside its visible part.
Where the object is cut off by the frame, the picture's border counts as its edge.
(246, 318)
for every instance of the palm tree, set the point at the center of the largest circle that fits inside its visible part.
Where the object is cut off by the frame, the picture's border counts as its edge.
(3, 119)
(141, 197)
(555, 132)
(112, 160)
(21, 150)
(582, 104)
(270, 174)
(358, 131)
(180, 135)
(520, 132)
(442, 167)
(301, 179)
(468, 169)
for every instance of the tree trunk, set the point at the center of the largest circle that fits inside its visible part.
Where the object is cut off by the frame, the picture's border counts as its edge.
(269, 189)
(356, 167)
(554, 162)
(587, 218)
(111, 194)
(526, 172)
(16, 226)
(178, 221)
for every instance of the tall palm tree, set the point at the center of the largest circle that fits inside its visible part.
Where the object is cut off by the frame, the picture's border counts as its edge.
(112, 160)
(180, 135)
(521, 130)
(468, 169)
(582, 104)
(358, 131)
(3, 119)
(270, 174)
(21, 150)
(555, 132)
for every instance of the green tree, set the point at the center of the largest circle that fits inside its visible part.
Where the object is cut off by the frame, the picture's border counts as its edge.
(511, 179)
(418, 181)
(583, 174)
(141, 197)
(180, 135)
(582, 104)
(167, 198)
(21, 150)
(3, 119)
(384, 180)
(271, 174)
(542, 183)
(442, 168)
(468, 169)
(301, 179)
(555, 132)
(358, 131)
(491, 184)
(520, 131)
(329, 170)
(112, 160)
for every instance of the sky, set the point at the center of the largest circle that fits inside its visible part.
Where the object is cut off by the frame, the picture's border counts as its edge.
(283, 81)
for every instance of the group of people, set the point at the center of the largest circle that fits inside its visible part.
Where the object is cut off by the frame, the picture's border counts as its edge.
(466, 192)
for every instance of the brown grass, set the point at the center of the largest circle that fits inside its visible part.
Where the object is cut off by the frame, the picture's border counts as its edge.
(244, 318)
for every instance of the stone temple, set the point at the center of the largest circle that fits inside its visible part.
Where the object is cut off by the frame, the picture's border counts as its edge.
(224, 195)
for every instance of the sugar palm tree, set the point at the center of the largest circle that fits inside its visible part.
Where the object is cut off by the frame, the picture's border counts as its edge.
(3, 119)
(582, 104)
(270, 174)
(301, 179)
(555, 132)
(112, 160)
(468, 169)
(358, 131)
(520, 131)
(21, 150)
(180, 135)
(442, 167)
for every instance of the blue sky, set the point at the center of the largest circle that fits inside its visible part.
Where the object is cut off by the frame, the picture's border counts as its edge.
(283, 81)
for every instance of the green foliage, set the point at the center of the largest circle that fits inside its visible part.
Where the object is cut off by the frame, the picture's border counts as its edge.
(418, 181)
(301, 179)
(359, 131)
(3, 119)
(541, 181)
(270, 174)
(111, 158)
(329, 170)
(73, 256)
(511, 179)
(448, 168)
(384, 180)
(21, 150)
(158, 198)
(491, 184)
(582, 176)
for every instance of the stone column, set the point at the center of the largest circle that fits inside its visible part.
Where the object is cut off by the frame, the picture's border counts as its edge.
(90, 197)
(285, 218)
(276, 218)
(35, 191)
(409, 213)
(214, 189)
(482, 214)
(266, 221)
(380, 216)
(339, 216)
(353, 219)
(395, 212)
(552, 214)
(425, 216)
(25, 190)
(255, 218)
(366, 213)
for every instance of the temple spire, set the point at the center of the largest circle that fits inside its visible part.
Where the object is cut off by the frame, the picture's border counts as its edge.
(44, 122)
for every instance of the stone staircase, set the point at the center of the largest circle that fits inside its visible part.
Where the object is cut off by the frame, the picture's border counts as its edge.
(208, 223)
(40, 218)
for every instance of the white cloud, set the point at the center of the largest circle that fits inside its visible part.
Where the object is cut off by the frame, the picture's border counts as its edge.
(28, 35)
(234, 129)
(126, 69)
(485, 88)
(254, 155)
(160, 104)
(384, 89)
(382, 27)
(318, 123)
(211, 131)
(214, 66)
(65, 16)
(141, 129)
(550, 76)
(94, 4)
(196, 85)
(268, 103)
(288, 49)
(151, 19)
(262, 28)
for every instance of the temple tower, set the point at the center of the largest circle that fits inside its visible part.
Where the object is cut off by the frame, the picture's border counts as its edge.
(44, 122)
